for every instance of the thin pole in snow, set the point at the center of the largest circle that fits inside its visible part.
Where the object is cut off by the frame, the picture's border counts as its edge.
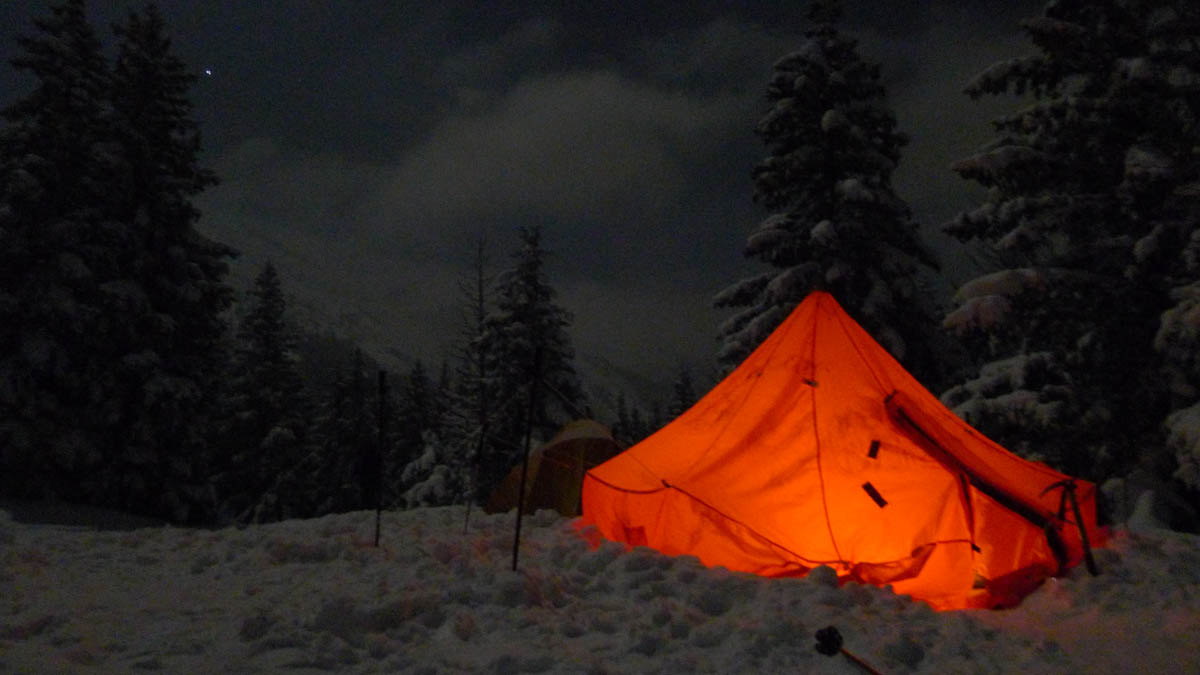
(379, 453)
(533, 389)
(473, 474)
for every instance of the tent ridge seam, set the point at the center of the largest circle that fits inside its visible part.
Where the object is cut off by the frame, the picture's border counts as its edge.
(817, 442)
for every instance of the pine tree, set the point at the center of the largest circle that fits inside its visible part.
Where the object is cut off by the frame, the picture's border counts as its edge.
(631, 425)
(346, 427)
(420, 423)
(1165, 173)
(1078, 209)
(525, 340)
(623, 427)
(470, 396)
(265, 430)
(683, 393)
(57, 388)
(172, 287)
(110, 302)
(434, 477)
(837, 224)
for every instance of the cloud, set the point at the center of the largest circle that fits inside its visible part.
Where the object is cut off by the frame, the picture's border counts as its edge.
(492, 64)
(584, 147)
(723, 54)
(290, 190)
(637, 170)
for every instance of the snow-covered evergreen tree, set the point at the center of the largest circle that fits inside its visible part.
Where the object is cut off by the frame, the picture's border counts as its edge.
(172, 290)
(345, 432)
(110, 303)
(419, 410)
(683, 393)
(434, 477)
(1079, 209)
(421, 424)
(631, 425)
(836, 223)
(525, 341)
(470, 396)
(1170, 181)
(622, 429)
(265, 428)
(55, 384)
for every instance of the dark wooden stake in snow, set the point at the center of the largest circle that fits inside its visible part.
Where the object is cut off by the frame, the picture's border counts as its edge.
(829, 643)
(473, 475)
(533, 391)
(378, 468)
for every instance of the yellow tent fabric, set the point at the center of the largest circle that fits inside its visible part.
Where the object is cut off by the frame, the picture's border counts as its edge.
(820, 449)
(556, 469)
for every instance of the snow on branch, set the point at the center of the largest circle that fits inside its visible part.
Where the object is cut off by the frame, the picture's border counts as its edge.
(993, 163)
(834, 120)
(1144, 163)
(1005, 283)
(823, 233)
(1050, 29)
(792, 284)
(769, 234)
(743, 292)
(1183, 428)
(995, 78)
(1006, 390)
(809, 53)
(979, 313)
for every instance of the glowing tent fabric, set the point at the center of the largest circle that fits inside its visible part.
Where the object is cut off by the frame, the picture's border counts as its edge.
(820, 449)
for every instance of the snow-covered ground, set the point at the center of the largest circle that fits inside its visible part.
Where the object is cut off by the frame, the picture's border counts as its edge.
(307, 596)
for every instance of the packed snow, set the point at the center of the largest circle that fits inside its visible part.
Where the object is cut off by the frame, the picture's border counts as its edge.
(318, 596)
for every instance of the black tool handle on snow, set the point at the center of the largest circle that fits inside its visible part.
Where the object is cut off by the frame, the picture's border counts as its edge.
(829, 643)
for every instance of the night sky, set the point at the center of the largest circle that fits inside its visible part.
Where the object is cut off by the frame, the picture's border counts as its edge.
(364, 147)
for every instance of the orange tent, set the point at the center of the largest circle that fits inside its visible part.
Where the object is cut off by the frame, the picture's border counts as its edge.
(820, 449)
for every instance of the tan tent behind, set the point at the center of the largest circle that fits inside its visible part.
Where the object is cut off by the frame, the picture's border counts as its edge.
(556, 470)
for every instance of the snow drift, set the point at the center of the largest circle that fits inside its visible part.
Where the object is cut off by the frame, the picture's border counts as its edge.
(315, 595)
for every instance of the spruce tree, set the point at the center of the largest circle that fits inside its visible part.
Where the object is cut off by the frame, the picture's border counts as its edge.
(470, 396)
(174, 278)
(1081, 215)
(683, 393)
(836, 223)
(529, 357)
(265, 429)
(420, 425)
(110, 303)
(346, 427)
(418, 410)
(58, 399)
(1164, 174)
